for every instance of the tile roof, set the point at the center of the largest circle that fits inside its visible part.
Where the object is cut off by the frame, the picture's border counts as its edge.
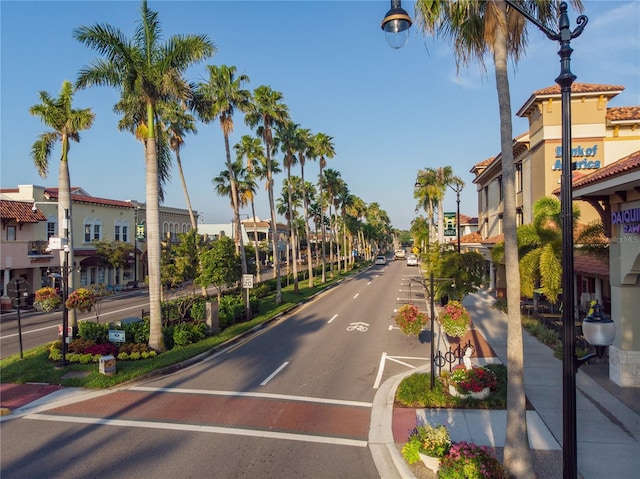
(474, 237)
(580, 88)
(494, 239)
(623, 113)
(20, 212)
(590, 266)
(623, 165)
(52, 193)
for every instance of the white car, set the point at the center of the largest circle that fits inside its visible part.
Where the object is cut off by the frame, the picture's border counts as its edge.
(381, 260)
(412, 260)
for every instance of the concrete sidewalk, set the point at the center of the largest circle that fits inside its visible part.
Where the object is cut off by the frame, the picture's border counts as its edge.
(608, 431)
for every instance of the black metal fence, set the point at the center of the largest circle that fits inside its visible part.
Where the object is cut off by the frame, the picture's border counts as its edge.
(451, 358)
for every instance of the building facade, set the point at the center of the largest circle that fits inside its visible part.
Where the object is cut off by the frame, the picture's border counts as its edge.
(601, 137)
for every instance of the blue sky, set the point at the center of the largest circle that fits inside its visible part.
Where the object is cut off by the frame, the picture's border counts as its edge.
(390, 112)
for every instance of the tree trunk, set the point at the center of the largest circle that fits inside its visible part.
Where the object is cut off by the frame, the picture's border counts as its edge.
(65, 225)
(517, 455)
(156, 338)
(305, 207)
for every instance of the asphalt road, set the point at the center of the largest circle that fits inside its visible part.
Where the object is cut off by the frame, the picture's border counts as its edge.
(291, 401)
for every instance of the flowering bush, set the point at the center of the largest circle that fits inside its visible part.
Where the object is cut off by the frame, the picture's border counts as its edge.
(47, 299)
(455, 319)
(410, 320)
(426, 439)
(472, 380)
(469, 461)
(81, 299)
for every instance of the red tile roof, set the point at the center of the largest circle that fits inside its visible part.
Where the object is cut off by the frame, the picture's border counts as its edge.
(20, 212)
(474, 237)
(580, 88)
(623, 113)
(590, 266)
(52, 193)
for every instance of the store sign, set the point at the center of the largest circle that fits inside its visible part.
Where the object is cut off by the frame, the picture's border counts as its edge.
(586, 163)
(629, 219)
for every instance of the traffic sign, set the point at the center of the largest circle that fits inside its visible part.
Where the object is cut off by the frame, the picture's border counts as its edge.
(247, 281)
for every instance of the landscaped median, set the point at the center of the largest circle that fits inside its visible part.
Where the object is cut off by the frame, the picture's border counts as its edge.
(38, 367)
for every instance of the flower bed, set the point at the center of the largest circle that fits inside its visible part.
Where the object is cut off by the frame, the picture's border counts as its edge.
(475, 380)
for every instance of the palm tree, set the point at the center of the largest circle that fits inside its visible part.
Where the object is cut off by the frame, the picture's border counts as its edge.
(251, 149)
(66, 124)
(477, 28)
(322, 147)
(444, 177)
(332, 184)
(287, 137)
(177, 123)
(426, 192)
(218, 98)
(304, 147)
(264, 113)
(147, 70)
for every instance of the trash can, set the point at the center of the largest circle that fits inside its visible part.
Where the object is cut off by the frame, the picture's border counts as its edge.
(107, 365)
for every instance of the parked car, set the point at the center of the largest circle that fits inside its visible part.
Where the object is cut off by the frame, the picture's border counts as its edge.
(412, 260)
(380, 259)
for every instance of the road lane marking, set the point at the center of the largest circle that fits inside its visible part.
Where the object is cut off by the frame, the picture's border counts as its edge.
(376, 383)
(200, 428)
(273, 374)
(368, 283)
(332, 318)
(357, 294)
(285, 397)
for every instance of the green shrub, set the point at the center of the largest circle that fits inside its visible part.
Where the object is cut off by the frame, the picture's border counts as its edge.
(198, 310)
(230, 309)
(137, 332)
(187, 333)
(94, 331)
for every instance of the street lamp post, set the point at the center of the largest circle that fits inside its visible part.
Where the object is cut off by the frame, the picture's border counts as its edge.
(396, 25)
(457, 187)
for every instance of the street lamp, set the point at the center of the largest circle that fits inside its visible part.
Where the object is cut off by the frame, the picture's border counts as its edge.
(396, 25)
(457, 187)
(64, 246)
(432, 313)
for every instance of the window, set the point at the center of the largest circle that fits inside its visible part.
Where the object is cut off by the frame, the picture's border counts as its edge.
(125, 233)
(500, 187)
(11, 233)
(87, 233)
(518, 177)
(51, 229)
(500, 230)
(116, 234)
(485, 204)
(519, 217)
(96, 232)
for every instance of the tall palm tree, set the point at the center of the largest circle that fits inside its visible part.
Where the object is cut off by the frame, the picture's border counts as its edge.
(178, 123)
(264, 113)
(251, 149)
(287, 138)
(427, 193)
(66, 123)
(304, 147)
(331, 184)
(322, 147)
(149, 70)
(477, 28)
(218, 98)
(444, 177)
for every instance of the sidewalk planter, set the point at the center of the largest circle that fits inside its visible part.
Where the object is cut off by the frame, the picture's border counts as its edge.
(431, 462)
(475, 395)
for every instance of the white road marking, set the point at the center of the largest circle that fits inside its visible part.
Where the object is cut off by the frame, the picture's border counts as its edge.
(273, 374)
(376, 383)
(199, 428)
(285, 397)
(368, 283)
(332, 318)
(357, 294)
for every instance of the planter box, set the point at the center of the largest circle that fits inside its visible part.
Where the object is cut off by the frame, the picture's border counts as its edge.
(479, 395)
(431, 462)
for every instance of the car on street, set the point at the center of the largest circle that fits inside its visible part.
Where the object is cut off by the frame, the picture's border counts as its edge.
(412, 260)
(398, 254)
(380, 259)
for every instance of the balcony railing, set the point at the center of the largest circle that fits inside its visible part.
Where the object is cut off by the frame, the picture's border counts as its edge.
(38, 248)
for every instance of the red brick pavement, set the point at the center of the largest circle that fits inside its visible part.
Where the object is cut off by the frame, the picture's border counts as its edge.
(13, 396)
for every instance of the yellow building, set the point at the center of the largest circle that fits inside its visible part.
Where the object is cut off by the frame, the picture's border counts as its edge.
(601, 136)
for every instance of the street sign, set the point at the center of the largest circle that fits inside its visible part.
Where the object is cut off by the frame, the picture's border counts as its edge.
(18, 289)
(247, 281)
(116, 336)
